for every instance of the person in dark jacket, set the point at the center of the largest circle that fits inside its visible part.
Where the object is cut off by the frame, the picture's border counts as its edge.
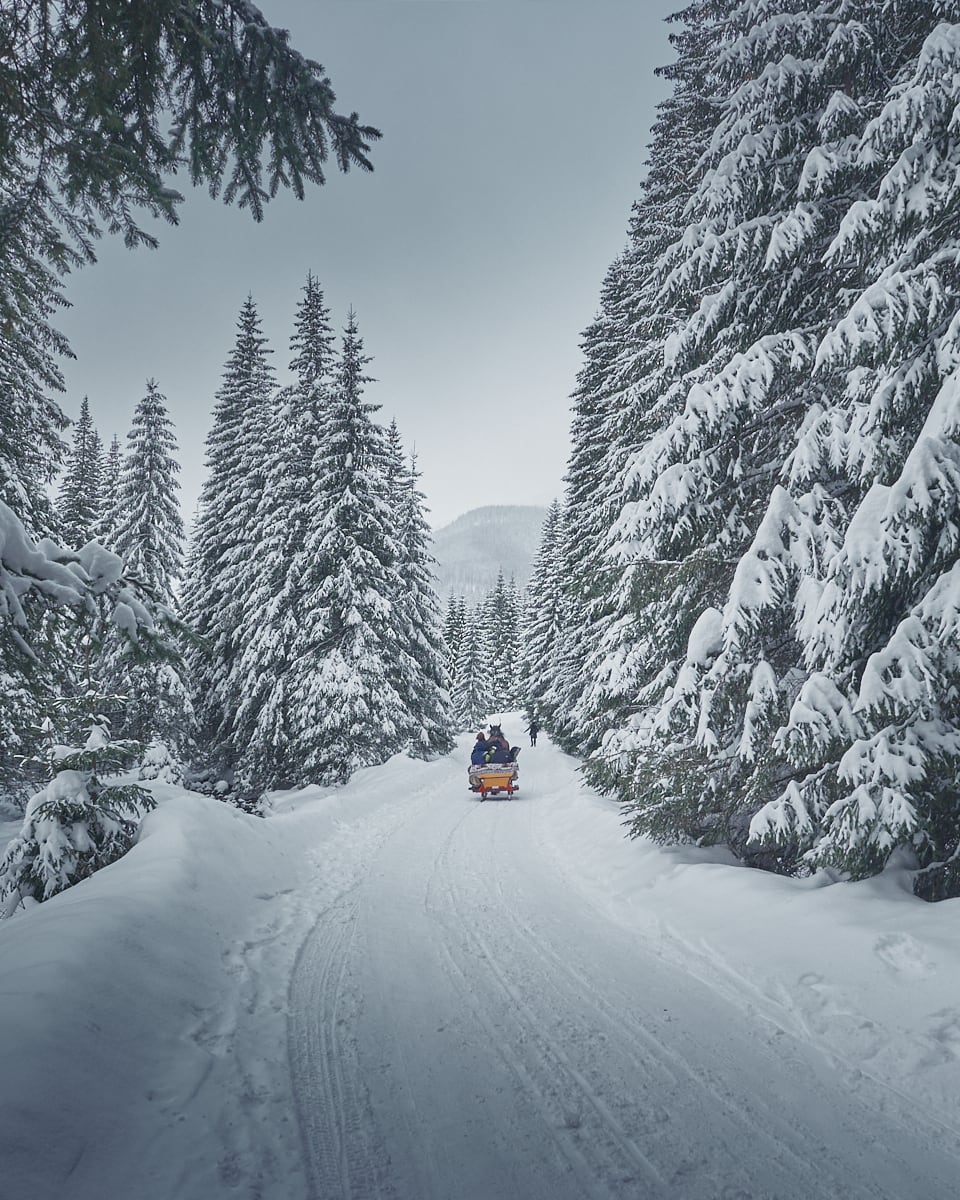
(533, 729)
(479, 755)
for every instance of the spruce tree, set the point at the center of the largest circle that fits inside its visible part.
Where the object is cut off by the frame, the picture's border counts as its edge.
(516, 624)
(624, 395)
(148, 536)
(350, 713)
(313, 363)
(453, 626)
(425, 685)
(79, 501)
(266, 723)
(225, 550)
(110, 494)
(31, 422)
(869, 753)
(473, 699)
(545, 619)
(78, 823)
(709, 484)
(499, 614)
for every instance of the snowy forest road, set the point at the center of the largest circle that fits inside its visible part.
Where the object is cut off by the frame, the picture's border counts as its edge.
(463, 1022)
(391, 991)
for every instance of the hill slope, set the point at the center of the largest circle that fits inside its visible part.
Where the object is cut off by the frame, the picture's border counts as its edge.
(471, 550)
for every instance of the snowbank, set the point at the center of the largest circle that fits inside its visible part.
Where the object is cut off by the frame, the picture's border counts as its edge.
(144, 1009)
(865, 971)
(116, 1001)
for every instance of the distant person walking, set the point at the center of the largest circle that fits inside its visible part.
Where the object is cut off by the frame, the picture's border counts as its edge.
(533, 729)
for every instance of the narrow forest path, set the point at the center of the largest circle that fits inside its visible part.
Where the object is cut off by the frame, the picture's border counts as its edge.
(464, 1023)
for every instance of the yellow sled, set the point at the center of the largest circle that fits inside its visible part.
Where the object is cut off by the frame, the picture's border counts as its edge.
(494, 779)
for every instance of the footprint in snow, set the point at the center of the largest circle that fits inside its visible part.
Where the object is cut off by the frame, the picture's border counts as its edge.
(904, 954)
(945, 1034)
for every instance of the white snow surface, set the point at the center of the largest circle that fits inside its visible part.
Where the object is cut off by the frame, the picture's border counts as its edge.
(392, 990)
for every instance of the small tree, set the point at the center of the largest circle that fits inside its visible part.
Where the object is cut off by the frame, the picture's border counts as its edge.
(78, 823)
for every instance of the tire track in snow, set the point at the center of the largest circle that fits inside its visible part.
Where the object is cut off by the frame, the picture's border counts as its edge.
(571, 1073)
(637, 1043)
(341, 1147)
(790, 1030)
(604, 1157)
(337, 1126)
(624, 1106)
(637, 1040)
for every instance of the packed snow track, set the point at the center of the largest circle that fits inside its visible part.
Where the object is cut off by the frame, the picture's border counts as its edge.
(464, 1023)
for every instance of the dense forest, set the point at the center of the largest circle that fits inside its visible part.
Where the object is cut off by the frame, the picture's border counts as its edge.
(747, 603)
(745, 611)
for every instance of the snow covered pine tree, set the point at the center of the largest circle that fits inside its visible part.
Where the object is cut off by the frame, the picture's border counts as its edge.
(148, 535)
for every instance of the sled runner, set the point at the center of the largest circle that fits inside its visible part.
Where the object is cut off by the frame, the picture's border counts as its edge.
(494, 779)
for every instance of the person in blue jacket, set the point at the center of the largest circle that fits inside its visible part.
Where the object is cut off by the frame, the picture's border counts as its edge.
(479, 755)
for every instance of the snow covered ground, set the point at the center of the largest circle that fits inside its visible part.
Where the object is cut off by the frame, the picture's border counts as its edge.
(391, 990)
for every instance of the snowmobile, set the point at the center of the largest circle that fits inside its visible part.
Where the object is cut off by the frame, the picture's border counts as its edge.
(495, 778)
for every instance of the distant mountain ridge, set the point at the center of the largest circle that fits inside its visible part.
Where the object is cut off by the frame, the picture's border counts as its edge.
(473, 549)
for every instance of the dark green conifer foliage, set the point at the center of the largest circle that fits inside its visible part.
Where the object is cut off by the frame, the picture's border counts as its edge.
(102, 102)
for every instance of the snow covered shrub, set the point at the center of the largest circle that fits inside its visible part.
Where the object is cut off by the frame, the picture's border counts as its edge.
(76, 824)
(208, 782)
(159, 763)
(940, 881)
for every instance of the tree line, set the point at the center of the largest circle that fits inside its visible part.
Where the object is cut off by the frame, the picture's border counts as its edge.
(299, 638)
(485, 652)
(746, 605)
(102, 106)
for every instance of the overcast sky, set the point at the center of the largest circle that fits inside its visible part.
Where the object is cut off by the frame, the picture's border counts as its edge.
(513, 145)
